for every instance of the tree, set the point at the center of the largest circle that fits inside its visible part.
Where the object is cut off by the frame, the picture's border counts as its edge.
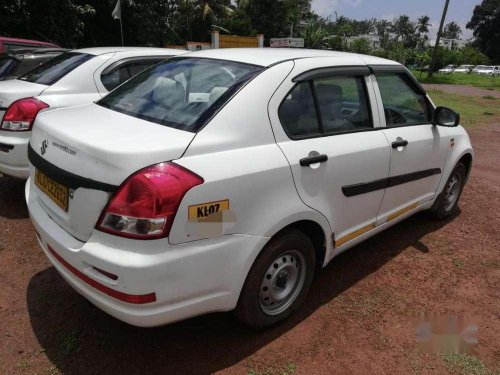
(423, 24)
(384, 28)
(452, 31)
(360, 45)
(273, 18)
(423, 28)
(315, 35)
(485, 23)
(61, 22)
(404, 31)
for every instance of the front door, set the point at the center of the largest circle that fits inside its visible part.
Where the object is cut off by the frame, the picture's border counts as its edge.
(418, 148)
(332, 144)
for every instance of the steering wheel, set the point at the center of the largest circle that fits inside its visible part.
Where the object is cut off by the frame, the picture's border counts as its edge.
(394, 117)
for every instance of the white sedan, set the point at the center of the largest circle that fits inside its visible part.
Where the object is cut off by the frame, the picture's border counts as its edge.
(448, 69)
(224, 179)
(75, 77)
(488, 71)
(464, 69)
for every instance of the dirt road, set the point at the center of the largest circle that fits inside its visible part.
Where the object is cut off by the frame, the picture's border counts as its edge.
(359, 317)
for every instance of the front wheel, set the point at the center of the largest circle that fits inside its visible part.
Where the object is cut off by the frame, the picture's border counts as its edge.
(278, 281)
(447, 203)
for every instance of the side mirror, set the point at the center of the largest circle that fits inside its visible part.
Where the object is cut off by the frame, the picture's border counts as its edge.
(445, 117)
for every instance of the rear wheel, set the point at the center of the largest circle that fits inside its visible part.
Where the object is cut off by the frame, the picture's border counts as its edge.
(278, 281)
(447, 203)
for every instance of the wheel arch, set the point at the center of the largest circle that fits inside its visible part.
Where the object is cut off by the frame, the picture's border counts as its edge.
(466, 159)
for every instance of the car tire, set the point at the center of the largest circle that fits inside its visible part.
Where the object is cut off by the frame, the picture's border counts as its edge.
(278, 281)
(447, 202)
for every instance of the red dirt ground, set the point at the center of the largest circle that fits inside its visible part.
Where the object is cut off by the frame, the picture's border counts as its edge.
(359, 317)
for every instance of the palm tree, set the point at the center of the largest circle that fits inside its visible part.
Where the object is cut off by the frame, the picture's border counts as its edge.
(423, 24)
(209, 11)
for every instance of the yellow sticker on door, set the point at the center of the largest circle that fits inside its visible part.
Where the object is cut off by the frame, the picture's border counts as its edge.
(202, 211)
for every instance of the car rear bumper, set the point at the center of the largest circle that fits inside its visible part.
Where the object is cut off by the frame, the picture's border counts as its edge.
(187, 280)
(14, 154)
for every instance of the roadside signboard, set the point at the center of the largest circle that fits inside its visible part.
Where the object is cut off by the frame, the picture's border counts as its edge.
(287, 43)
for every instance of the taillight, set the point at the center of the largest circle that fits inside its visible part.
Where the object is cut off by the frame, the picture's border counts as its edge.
(145, 205)
(21, 114)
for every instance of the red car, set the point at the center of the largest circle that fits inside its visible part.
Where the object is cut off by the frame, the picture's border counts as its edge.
(11, 44)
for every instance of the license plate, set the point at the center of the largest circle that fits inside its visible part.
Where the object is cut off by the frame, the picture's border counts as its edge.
(54, 190)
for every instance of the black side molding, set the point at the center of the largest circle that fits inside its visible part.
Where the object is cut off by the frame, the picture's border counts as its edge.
(65, 178)
(368, 187)
(6, 146)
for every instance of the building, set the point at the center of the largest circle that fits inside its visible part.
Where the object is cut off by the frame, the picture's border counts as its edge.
(449, 44)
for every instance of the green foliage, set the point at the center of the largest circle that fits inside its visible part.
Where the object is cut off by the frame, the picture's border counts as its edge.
(485, 22)
(467, 55)
(452, 31)
(486, 82)
(360, 45)
(61, 21)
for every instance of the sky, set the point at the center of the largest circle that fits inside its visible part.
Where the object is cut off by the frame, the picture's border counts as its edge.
(459, 11)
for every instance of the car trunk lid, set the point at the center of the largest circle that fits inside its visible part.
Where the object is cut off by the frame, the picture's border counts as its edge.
(15, 89)
(91, 150)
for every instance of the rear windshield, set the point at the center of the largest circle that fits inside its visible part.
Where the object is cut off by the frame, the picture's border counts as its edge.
(7, 65)
(180, 93)
(54, 69)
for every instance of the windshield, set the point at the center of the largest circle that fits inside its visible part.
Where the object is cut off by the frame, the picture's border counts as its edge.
(54, 69)
(7, 65)
(180, 93)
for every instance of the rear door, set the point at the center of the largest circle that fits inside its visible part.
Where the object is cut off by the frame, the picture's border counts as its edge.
(418, 149)
(329, 130)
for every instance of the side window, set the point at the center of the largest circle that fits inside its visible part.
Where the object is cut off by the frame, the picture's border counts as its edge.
(297, 113)
(403, 103)
(113, 78)
(343, 104)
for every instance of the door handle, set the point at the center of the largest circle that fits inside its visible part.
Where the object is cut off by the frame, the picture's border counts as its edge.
(399, 143)
(313, 160)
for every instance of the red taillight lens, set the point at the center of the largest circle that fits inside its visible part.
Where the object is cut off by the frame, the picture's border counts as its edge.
(21, 114)
(145, 205)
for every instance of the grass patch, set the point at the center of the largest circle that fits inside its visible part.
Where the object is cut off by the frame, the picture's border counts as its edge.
(485, 82)
(465, 364)
(489, 97)
(473, 110)
(289, 369)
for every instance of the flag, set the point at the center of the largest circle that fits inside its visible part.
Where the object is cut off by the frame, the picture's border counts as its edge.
(117, 12)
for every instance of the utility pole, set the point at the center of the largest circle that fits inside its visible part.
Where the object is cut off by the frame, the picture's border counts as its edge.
(438, 37)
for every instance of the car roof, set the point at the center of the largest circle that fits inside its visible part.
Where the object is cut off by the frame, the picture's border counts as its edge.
(271, 56)
(38, 51)
(27, 41)
(101, 50)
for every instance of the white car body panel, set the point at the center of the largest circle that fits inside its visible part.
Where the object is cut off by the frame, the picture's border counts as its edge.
(80, 86)
(244, 156)
(358, 158)
(101, 153)
(427, 149)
